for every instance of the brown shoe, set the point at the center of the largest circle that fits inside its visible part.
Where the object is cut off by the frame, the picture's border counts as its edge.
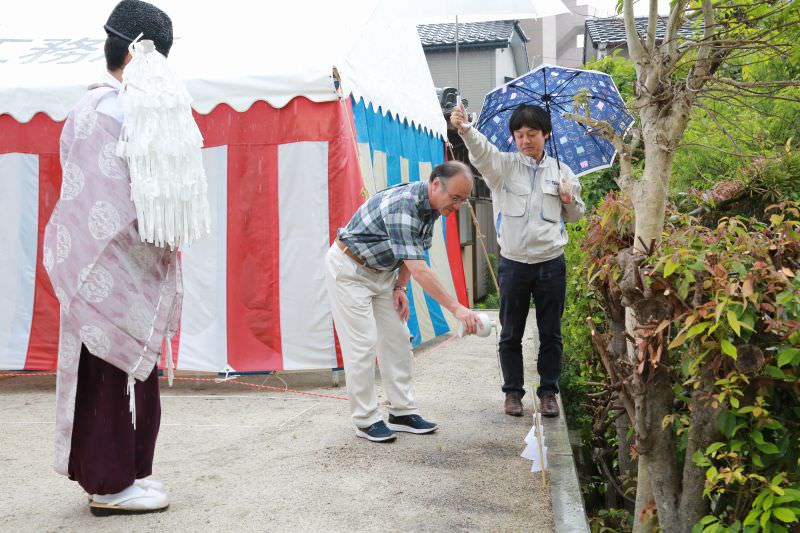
(513, 404)
(549, 405)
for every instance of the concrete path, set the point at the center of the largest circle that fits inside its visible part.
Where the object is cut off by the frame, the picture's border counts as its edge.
(242, 459)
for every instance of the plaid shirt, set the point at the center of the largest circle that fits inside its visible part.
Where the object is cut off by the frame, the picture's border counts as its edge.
(394, 225)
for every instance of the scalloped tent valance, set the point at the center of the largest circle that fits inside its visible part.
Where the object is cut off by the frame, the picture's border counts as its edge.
(233, 53)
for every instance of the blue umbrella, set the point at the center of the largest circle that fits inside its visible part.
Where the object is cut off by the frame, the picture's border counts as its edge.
(554, 88)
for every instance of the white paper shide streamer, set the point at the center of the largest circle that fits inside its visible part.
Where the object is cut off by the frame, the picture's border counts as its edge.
(162, 144)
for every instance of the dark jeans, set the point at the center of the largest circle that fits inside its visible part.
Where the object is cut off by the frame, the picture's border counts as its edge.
(547, 283)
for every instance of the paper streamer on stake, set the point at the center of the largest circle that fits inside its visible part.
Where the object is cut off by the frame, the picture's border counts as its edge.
(535, 449)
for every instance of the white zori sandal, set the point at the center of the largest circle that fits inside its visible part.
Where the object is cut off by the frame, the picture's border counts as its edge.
(135, 499)
(152, 484)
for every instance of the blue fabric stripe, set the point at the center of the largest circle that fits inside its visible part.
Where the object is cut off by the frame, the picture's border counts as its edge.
(393, 149)
(413, 321)
(440, 326)
(360, 120)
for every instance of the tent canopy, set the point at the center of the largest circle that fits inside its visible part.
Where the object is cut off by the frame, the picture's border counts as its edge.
(235, 53)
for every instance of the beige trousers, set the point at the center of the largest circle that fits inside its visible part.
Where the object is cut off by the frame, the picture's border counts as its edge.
(369, 328)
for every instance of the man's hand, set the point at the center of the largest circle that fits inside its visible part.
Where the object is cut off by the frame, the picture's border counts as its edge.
(468, 318)
(458, 118)
(565, 191)
(401, 304)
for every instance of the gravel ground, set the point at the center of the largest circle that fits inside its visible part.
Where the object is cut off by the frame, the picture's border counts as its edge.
(242, 459)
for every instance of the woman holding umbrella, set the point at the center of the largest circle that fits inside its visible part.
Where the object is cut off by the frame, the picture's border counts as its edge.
(533, 196)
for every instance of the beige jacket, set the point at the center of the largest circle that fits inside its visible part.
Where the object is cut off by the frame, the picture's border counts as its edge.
(528, 212)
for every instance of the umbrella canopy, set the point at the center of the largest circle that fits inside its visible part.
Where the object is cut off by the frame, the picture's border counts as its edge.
(554, 89)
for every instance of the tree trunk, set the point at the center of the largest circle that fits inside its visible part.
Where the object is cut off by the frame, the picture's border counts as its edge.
(627, 472)
(644, 498)
(653, 398)
(693, 506)
(650, 193)
(660, 448)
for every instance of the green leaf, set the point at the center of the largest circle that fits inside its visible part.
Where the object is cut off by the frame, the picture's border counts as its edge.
(784, 515)
(765, 518)
(707, 519)
(785, 297)
(728, 348)
(788, 356)
(794, 494)
(714, 447)
(768, 448)
(697, 329)
(733, 320)
(669, 268)
(769, 501)
(699, 459)
(775, 372)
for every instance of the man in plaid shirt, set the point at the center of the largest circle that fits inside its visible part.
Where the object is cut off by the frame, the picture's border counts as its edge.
(368, 269)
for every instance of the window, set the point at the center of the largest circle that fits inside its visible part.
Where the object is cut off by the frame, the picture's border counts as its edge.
(579, 40)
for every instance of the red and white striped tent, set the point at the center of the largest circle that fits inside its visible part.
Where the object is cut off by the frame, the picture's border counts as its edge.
(288, 158)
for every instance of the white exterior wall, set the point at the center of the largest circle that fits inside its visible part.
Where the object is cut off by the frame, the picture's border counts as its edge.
(478, 74)
(504, 60)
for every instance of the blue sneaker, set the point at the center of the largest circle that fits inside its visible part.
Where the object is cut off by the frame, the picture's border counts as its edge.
(411, 424)
(377, 432)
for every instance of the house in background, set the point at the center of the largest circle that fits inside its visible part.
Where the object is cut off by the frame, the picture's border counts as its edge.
(604, 36)
(558, 39)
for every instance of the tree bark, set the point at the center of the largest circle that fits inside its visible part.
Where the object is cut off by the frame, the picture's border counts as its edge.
(661, 451)
(693, 506)
(644, 498)
(627, 466)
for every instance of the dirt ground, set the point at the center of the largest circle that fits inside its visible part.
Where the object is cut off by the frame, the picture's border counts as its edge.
(242, 459)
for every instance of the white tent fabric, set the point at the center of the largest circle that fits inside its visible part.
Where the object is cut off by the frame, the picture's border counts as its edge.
(234, 52)
(433, 11)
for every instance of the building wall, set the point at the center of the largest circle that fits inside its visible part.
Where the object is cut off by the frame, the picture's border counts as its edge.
(592, 52)
(505, 68)
(478, 72)
(554, 40)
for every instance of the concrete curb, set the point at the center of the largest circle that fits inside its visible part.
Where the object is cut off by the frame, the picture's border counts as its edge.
(565, 491)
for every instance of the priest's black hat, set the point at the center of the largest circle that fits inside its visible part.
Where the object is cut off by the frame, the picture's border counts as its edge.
(132, 17)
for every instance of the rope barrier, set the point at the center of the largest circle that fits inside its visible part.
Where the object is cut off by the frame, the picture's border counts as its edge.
(426, 353)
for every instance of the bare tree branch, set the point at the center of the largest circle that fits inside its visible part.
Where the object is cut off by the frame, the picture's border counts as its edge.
(702, 67)
(675, 22)
(636, 48)
(625, 150)
(652, 25)
(726, 152)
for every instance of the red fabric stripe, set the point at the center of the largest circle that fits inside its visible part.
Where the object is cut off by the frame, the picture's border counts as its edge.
(453, 239)
(253, 290)
(345, 183)
(39, 135)
(454, 257)
(43, 342)
(299, 120)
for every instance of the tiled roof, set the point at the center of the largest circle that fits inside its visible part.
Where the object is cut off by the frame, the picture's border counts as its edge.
(612, 30)
(489, 34)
